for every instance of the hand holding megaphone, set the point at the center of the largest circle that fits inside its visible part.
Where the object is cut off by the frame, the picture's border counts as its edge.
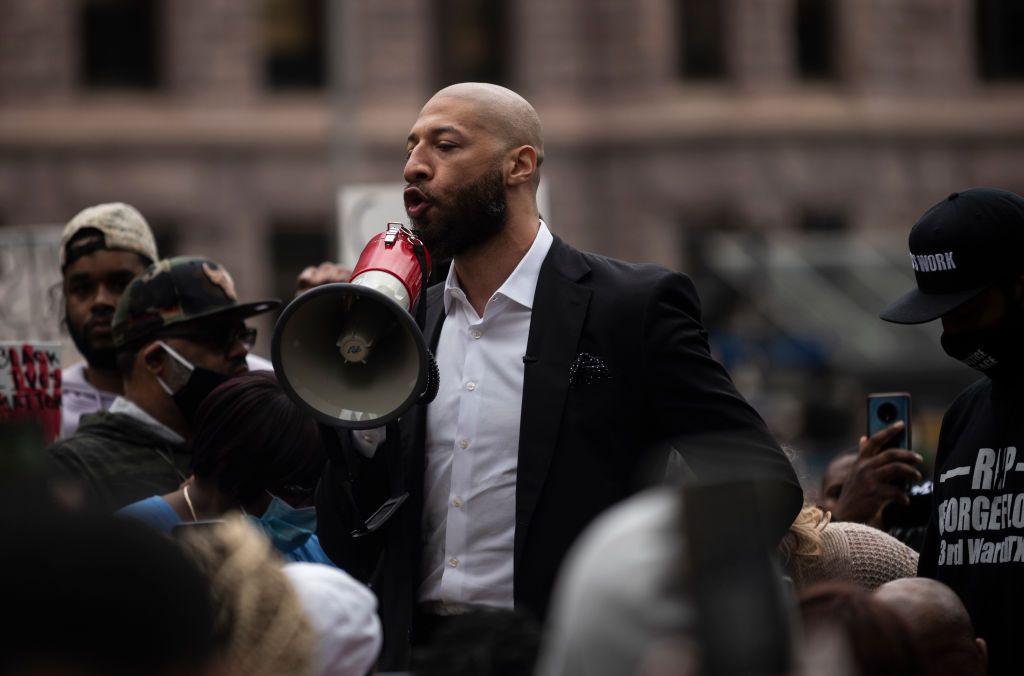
(351, 353)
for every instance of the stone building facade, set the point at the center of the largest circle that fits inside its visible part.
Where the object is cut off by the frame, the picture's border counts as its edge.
(233, 122)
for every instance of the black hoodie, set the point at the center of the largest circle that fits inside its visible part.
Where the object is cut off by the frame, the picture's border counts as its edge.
(117, 459)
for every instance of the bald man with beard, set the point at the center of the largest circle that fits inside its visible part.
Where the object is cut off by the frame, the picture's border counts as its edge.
(563, 376)
(939, 623)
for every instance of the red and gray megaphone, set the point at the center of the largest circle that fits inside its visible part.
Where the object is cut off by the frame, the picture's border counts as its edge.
(352, 354)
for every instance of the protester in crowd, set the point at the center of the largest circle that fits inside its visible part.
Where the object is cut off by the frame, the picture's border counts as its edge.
(253, 451)
(259, 616)
(343, 613)
(91, 595)
(878, 640)
(179, 332)
(548, 359)
(102, 249)
(834, 479)
(618, 599)
(965, 252)
(817, 549)
(939, 623)
(860, 487)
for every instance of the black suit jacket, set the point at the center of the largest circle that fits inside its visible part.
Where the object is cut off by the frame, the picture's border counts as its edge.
(583, 447)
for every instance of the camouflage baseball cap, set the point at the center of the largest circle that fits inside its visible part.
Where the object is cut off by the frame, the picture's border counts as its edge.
(121, 225)
(178, 290)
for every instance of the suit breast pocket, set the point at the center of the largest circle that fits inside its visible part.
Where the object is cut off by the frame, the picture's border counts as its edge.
(592, 420)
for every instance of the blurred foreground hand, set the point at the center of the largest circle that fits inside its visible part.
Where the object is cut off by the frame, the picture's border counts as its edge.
(318, 275)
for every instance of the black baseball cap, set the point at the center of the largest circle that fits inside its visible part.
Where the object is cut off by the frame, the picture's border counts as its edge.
(960, 247)
(175, 291)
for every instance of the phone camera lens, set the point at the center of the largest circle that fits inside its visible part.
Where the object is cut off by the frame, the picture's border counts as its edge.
(887, 412)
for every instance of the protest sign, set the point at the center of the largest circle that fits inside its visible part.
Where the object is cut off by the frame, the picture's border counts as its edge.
(30, 384)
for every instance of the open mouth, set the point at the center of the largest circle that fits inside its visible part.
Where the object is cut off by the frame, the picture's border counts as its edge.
(416, 203)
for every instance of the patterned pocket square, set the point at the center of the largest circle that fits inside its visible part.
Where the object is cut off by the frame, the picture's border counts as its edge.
(588, 370)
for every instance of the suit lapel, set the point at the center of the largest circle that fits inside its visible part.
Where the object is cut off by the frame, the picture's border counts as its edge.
(559, 309)
(435, 315)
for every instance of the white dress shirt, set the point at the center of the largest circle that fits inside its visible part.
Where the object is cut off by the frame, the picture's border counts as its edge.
(472, 440)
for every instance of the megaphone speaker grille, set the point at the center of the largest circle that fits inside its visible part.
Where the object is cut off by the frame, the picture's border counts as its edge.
(337, 388)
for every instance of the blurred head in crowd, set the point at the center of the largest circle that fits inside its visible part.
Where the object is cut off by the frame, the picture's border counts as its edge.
(940, 623)
(965, 254)
(472, 167)
(88, 595)
(101, 250)
(816, 549)
(879, 641)
(258, 616)
(485, 642)
(343, 613)
(833, 478)
(253, 445)
(180, 331)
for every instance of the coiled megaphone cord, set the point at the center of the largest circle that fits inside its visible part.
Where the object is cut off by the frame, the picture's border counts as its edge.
(433, 380)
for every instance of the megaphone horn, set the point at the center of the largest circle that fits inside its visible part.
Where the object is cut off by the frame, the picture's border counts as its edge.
(351, 353)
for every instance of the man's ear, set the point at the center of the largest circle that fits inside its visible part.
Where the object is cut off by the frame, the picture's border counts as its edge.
(154, 358)
(983, 651)
(524, 165)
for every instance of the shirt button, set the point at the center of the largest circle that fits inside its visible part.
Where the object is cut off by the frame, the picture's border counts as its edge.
(453, 562)
(476, 333)
(456, 503)
(463, 443)
(471, 386)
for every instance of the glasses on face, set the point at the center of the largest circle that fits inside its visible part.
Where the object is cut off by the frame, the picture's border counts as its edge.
(219, 340)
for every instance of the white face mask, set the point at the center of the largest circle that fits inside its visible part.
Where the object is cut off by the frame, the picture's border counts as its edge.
(194, 383)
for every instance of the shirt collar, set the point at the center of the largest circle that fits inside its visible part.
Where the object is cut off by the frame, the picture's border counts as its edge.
(521, 285)
(130, 409)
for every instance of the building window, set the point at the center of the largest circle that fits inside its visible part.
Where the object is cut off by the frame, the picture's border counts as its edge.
(822, 221)
(293, 35)
(294, 246)
(816, 39)
(1000, 48)
(119, 44)
(472, 41)
(701, 40)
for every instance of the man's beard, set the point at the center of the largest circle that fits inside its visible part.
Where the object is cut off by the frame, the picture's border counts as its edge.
(473, 215)
(97, 357)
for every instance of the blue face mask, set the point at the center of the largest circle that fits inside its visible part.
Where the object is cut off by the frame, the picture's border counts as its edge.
(286, 526)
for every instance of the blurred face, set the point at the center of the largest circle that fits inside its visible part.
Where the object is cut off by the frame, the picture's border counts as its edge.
(986, 311)
(92, 286)
(455, 194)
(834, 478)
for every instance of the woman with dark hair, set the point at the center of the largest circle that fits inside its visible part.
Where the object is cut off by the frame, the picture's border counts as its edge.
(255, 451)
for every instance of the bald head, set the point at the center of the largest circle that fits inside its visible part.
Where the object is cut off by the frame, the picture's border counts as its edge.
(939, 620)
(500, 111)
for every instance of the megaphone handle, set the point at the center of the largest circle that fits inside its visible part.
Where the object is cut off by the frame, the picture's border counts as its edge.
(347, 467)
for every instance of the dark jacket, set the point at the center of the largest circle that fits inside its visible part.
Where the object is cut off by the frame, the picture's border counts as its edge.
(117, 460)
(583, 445)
